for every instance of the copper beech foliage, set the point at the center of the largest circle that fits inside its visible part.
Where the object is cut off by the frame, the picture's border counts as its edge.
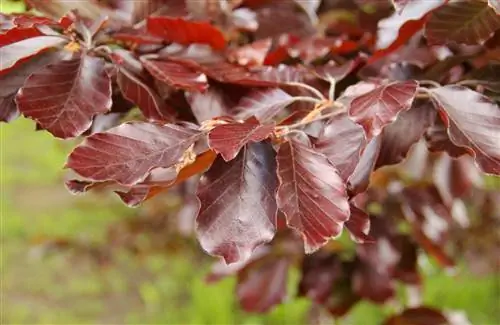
(284, 115)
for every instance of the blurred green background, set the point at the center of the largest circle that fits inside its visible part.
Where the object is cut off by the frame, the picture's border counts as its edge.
(157, 289)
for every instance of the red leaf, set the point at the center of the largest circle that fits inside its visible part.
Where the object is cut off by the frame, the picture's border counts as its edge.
(360, 178)
(228, 139)
(487, 77)
(262, 284)
(209, 104)
(342, 142)
(238, 207)
(127, 154)
(331, 71)
(473, 123)
(138, 91)
(381, 106)
(418, 316)
(186, 32)
(467, 22)
(359, 225)
(176, 75)
(311, 194)
(11, 82)
(64, 96)
(402, 134)
(437, 139)
(263, 104)
(319, 273)
(21, 43)
(136, 36)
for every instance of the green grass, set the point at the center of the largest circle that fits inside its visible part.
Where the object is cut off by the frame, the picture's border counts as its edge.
(154, 290)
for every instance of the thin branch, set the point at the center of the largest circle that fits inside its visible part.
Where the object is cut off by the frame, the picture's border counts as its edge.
(331, 91)
(430, 83)
(308, 99)
(311, 89)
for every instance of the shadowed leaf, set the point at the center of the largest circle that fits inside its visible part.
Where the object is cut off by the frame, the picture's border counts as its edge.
(263, 104)
(237, 203)
(176, 75)
(418, 316)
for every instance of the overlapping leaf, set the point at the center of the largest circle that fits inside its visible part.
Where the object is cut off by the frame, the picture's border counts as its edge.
(467, 22)
(176, 75)
(342, 142)
(311, 194)
(144, 95)
(64, 96)
(185, 32)
(126, 154)
(263, 104)
(251, 54)
(319, 272)
(473, 123)
(228, 139)
(11, 82)
(438, 139)
(21, 43)
(263, 284)
(359, 225)
(381, 106)
(238, 206)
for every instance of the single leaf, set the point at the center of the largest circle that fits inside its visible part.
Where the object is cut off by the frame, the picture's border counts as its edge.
(381, 106)
(335, 72)
(402, 134)
(466, 22)
(359, 180)
(237, 204)
(16, 45)
(319, 273)
(186, 32)
(418, 316)
(407, 268)
(311, 194)
(128, 153)
(228, 139)
(487, 77)
(342, 142)
(263, 284)
(144, 95)
(207, 105)
(136, 36)
(358, 225)
(64, 96)
(473, 123)
(437, 139)
(11, 82)
(263, 104)
(176, 75)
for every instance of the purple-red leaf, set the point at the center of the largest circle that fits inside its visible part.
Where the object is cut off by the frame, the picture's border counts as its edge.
(418, 316)
(11, 82)
(311, 194)
(139, 92)
(238, 205)
(262, 284)
(185, 32)
(209, 104)
(263, 104)
(64, 96)
(473, 123)
(358, 225)
(467, 22)
(319, 272)
(381, 106)
(127, 154)
(360, 177)
(176, 75)
(228, 139)
(342, 142)
(19, 44)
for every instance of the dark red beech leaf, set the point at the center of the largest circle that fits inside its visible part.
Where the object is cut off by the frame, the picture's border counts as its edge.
(487, 77)
(263, 284)
(418, 316)
(495, 4)
(136, 36)
(176, 75)
(319, 273)
(407, 268)
(251, 54)
(209, 104)
(381, 106)
(137, 90)
(263, 104)
(128, 153)
(311, 194)
(473, 123)
(58, 8)
(359, 180)
(64, 96)
(342, 142)
(186, 32)
(228, 139)
(19, 44)
(11, 82)
(466, 22)
(335, 72)
(237, 203)
(402, 134)
(358, 225)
